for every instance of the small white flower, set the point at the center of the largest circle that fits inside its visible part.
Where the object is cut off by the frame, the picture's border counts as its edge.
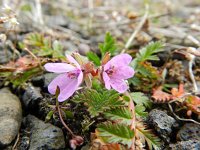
(14, 21)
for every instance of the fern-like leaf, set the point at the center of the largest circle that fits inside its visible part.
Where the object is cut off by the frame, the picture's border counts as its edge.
(115, 133)
(123, 114)
(99, 101)
(109, 45)
(147, 53)
(146, 135)
(140, 99)
(140, 111)
(93, 57)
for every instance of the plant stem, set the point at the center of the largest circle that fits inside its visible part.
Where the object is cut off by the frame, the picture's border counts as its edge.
(61, 119)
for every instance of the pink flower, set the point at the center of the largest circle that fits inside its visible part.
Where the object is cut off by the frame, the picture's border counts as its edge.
(68, 81)
(116, 71)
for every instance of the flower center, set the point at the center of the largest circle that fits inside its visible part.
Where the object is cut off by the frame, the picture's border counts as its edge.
(110, 71)
(73, 74)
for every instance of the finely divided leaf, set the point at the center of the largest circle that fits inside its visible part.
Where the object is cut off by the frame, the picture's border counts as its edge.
(109, 45)
(140, 99)
(140, 111)
(93, 57)
(116, 133)
(99, 101)
(152, 140)
(123, 114)
(147, 53)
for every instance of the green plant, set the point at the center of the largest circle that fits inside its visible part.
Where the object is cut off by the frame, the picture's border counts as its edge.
(98, 101)
(147, 53)
(42, 46)
(113, 107)
(146, 135)
(115, 133)
(109, 46)
(146, 75)
(122, 114)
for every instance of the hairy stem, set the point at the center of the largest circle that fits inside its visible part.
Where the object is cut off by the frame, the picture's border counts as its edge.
(61, 119)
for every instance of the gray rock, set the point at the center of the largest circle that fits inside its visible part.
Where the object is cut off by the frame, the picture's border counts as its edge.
(31, 96)
(38, 81)
(162, 122)
(185, 145)
(57, 20)
(197, 60)
(48, 77)
(83, 49)
(10, 116)
(189, 131)
(44, 136)
(69, 46)
(5, 55)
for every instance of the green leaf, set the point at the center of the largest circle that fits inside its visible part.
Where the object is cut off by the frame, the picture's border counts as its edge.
(140, 111)
(140, 99)
(49, 115)
(43, 46)
(109, 45)
(116, 133)
(68, 114)
(135, 81)
(123, 114)
(152, 140)
(93, 57)
(147, 53)
(99, 101)
(21, 78)
(57, 50)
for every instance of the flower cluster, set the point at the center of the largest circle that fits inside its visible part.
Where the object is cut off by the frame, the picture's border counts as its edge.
(114, 74)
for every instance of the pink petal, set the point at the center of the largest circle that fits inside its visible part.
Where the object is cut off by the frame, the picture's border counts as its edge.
(66, 85)
(119, 85)
(68, 90)
(72, 60)
(60, 81)
(80, 78)
(119, 60)
(58, 67)
(106, 79)
(123, 72)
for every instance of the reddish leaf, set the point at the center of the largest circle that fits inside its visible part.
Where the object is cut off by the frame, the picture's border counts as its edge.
(23, 63)
(176, 93)
(193, 103)
(110, 147)
(99, 144)
(160, 96)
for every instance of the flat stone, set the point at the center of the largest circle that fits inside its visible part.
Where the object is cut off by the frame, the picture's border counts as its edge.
(83, 49)
(44, 135)
(162, 122)
(5, 55)
(186, 145)
(10, 116)
(189, 131)
(31, 96)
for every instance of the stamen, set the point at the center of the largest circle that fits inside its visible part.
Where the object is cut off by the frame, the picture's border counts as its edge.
(110, 71)
(73, 74)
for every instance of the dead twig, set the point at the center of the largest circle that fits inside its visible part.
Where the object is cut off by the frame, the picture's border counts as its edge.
(138, 28)
(179, 118)
(16, 141)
